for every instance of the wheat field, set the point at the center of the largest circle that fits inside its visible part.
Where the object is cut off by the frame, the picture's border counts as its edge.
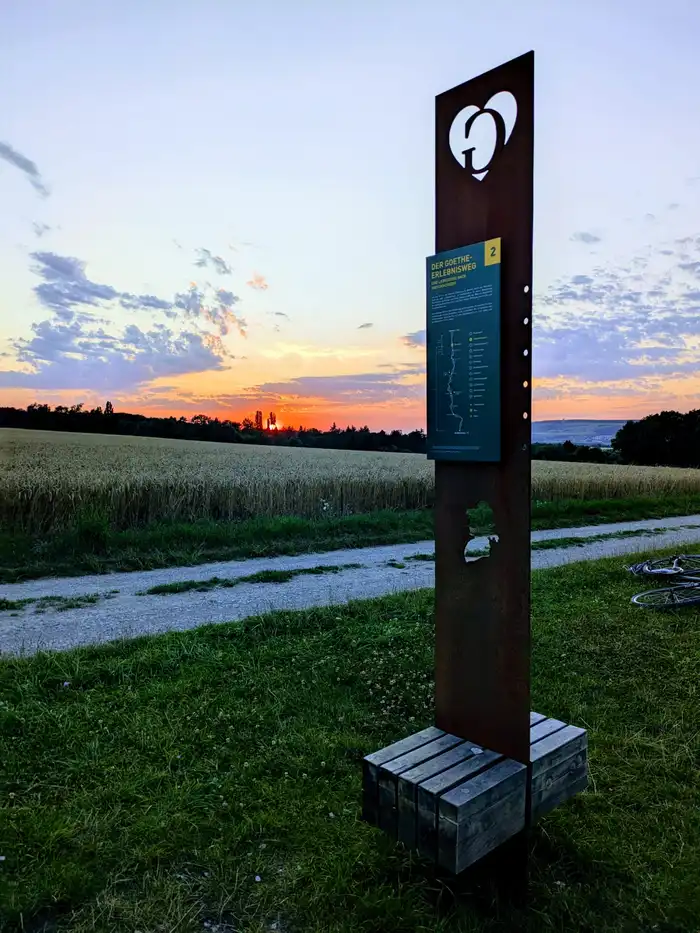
(50, 479)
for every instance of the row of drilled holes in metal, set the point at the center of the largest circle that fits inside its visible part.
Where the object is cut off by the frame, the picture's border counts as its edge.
(526, 321)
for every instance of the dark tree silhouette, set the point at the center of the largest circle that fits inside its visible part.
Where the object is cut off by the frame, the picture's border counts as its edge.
(201, 427)
(665, 439)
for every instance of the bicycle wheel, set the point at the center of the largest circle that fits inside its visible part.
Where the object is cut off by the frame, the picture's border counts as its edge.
(669, 597)
(689, 564)
(679, 566)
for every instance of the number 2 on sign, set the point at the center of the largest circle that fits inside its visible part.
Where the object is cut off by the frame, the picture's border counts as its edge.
(492, 252)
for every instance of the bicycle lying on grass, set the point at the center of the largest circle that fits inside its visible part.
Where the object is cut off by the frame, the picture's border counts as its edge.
(685, 568)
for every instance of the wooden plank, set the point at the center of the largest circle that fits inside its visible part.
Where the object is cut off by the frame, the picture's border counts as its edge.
(408, 784)
(463, 801)
(404, 745)
(454, 801)
(371, 764)
(488, 830)
(390, 771)
(555, 747)
(546, 727)
(427, 796)
(559, 784)
(419, 755)
(559, 769)
(482, 829)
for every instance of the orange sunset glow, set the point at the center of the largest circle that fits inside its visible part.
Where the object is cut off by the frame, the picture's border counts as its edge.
(276, 265)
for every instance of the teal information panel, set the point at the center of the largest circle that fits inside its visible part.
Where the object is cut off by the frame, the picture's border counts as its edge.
(464, 353)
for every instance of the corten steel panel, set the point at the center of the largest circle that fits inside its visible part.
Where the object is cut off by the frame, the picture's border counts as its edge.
(483, 608)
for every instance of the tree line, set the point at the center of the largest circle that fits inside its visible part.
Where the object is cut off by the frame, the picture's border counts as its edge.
(666, 439)
(203, 428)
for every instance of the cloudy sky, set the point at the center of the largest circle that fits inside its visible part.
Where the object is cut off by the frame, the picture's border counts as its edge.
(224, 206)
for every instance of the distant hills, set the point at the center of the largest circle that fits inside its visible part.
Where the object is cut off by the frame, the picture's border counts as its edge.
(578, 431)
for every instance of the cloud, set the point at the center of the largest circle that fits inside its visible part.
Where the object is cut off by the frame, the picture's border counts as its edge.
(365, 326)
(79, 355)
(217, 311)
(584, 236)
(279, 314)
(358, 388)
(415, 340)
(244, 243)
(66, 288)
(623, 325)
(692, 267)
(258, 282)
(40, 229)
(205, 258)
(25, 165)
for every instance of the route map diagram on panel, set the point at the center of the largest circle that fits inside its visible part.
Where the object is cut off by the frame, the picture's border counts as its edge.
(463, 348)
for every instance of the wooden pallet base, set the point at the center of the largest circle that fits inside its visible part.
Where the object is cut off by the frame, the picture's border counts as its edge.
(455, 802)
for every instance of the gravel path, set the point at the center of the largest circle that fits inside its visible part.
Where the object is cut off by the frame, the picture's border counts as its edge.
(127, 614)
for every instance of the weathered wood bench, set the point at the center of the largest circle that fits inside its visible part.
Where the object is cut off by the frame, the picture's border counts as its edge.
(455, 802)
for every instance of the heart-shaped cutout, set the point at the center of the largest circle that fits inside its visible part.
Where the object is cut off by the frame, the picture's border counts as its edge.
(477, 134)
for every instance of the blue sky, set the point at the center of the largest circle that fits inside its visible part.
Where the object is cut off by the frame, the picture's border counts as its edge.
(280, 157)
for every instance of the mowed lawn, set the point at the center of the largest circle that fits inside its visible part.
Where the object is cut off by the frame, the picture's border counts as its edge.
(213, 777)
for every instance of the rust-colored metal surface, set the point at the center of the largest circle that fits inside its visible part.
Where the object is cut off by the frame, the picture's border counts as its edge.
(482, 608)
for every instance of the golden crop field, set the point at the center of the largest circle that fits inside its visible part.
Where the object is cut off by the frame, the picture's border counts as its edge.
(48, 478)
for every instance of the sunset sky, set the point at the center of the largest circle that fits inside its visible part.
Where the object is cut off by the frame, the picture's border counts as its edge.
(223, 206)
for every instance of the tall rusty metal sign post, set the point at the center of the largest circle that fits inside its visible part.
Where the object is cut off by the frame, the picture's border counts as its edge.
(482, 609)
(489, 767)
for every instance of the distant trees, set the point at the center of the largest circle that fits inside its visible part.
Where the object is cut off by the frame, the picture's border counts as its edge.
(665, 439)
(569, 452)
(201, 427)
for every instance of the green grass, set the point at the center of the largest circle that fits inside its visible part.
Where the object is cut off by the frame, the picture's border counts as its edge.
(93, 547)
(554, 543)
(262, 576)
(148, 783)
(57, 603)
